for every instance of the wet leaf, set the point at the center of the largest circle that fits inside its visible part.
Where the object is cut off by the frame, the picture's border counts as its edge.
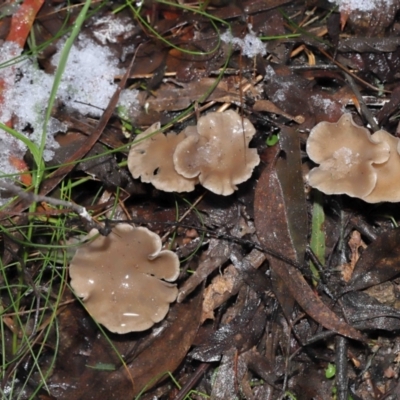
(250, 6)
(231, 370)
(288, 170)
(372, 20)
(389, 108)
(216, 255)
(281, 220)
(102, 167)
(271, 218)
(171, 97)
(368, 313)
(300, 97)
(164, 354)
(241, 334)
(379, 263)
(227, 284)
(369, 45)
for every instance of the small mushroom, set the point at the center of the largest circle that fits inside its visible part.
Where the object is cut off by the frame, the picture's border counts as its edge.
(347, 156)
(151, 159)
(388, 173)
(119, 278)
(218, 155)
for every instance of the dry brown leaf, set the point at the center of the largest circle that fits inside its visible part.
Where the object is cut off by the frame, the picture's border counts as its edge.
(355, 242)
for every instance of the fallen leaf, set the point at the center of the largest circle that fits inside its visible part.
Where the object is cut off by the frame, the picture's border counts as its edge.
(378, 263)
(355, 242)
(165, 353)
(271, 219)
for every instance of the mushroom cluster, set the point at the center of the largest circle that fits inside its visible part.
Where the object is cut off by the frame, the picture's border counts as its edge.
(354, 162)
(121, 278)
(214, 153)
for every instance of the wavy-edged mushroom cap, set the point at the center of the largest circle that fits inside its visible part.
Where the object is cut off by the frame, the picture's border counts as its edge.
(151, 159)
(345, 152)
(219, 154)
(388, 174)
(119, 278)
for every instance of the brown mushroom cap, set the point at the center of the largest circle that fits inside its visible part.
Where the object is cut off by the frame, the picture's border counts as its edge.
(119, 278)
(388, 174)
(218, 155)
(345, 152)
(151, 159)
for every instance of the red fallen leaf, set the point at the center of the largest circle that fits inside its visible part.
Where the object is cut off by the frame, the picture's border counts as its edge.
(22, 21)
(21, 166)
(172, 15)
(21, 24)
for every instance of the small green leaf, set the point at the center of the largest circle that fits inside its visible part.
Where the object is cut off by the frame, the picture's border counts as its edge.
(272, 140)
(330, 371)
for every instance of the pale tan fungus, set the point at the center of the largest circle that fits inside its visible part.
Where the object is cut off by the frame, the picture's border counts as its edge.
(388, 174)
(121, 278)
(151, 159)
(346, 154)
(218, 155)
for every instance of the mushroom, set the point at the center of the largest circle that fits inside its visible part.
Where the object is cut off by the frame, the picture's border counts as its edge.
(151, 159)
(218, 155)
(388, 173)
(119, 278)
(347, 156)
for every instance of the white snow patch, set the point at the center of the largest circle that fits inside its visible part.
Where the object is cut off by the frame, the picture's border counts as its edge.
(269, 73)
(88, 78)
(360, 5)
(326, 104)
(251, 45)
(279, 95)
(129, 99)
(110, 28)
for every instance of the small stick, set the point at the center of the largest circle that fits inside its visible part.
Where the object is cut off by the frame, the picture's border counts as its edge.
(37, 198)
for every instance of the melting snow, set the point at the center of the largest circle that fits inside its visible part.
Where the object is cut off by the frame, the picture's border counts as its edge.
(87, 86)
(251, 45)
(360, 5)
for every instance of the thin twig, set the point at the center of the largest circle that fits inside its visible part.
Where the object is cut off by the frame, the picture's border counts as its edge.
(31, 197)
(364, 109)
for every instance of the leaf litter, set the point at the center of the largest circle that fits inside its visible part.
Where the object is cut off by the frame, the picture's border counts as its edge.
(252, 319)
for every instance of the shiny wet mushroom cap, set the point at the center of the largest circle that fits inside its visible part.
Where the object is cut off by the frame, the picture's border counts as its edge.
(346, 154)
(151, 159)
(218, 155)
(388, 173)
(121, 278)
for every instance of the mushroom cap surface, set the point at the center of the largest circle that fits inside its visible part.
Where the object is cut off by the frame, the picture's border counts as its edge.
(151, 159)
(345, 152)
(387, 186)
(219, 153)
(119, 277)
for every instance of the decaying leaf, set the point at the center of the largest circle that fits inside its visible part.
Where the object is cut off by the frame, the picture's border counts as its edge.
(365, 312)
(164, 354)
(378, 263)
(355, 242)
(270, 211)
(216, 255)
(242, 333)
